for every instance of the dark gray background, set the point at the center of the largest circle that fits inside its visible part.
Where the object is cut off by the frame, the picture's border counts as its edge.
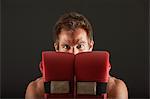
(120, 27)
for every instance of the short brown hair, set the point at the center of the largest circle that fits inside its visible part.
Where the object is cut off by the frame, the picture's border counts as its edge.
(72, 21)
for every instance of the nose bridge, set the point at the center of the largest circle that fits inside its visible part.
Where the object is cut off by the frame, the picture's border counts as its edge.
(75, 50)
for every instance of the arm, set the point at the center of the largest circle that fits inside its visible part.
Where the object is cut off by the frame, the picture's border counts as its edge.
(121, 90)
(118, 90)
(34, 91)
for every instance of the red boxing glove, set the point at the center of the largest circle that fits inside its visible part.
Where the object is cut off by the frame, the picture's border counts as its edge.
(92, 73)
(58, 74)
(90, 69)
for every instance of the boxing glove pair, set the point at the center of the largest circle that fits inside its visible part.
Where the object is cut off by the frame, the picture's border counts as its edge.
(84, 75)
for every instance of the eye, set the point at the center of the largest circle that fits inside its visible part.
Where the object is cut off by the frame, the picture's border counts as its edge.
(80, 46)
(66, 46)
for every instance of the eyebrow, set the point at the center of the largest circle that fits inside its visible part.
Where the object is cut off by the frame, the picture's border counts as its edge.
(81, 42)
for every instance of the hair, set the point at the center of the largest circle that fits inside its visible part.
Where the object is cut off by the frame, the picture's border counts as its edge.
(72, 21)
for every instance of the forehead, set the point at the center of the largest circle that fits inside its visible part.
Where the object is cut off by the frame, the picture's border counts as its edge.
(71, 36)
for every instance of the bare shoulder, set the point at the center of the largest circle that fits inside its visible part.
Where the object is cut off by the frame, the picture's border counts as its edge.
(35, 89)
(117, 89)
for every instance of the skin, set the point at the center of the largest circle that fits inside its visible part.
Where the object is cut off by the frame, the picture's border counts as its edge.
(76, 42)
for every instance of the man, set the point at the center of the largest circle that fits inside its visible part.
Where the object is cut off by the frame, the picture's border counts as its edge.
(73, 34)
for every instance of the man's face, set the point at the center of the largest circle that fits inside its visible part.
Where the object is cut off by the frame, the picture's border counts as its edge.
(73, 41)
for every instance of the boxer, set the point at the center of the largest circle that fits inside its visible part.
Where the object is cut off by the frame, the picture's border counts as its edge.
(73, 34)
